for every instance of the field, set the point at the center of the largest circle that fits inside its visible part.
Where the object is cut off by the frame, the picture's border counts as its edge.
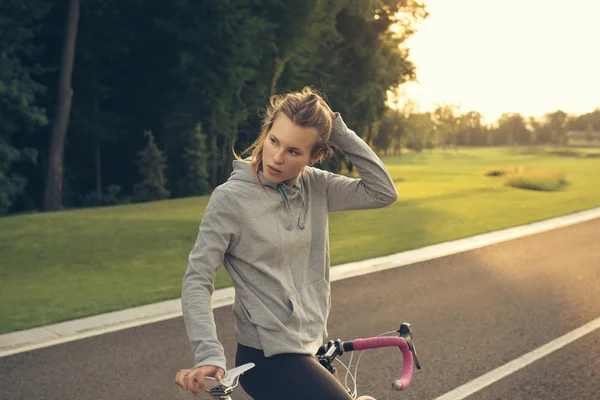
(70, 264)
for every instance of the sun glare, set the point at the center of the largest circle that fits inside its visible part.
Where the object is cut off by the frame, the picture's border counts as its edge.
(526, 56)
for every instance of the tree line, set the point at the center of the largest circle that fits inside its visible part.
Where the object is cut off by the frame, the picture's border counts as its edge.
(446, 126)
(107, 101)
(111, 101)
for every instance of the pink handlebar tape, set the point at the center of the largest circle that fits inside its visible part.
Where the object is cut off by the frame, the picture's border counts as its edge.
(391, 341)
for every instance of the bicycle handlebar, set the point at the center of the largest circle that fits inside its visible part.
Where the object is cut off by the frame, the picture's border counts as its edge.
(327, 353)
(378, 342)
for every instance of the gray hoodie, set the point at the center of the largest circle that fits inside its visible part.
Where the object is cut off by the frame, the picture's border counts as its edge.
(273, 241)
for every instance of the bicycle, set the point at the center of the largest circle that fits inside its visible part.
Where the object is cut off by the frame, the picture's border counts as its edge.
(326, 356)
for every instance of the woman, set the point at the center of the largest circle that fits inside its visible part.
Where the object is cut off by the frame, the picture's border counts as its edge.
(268, 225)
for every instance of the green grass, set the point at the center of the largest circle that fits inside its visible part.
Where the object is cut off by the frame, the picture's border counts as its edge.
(69, 264)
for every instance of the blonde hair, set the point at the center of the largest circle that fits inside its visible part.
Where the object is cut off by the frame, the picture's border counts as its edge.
(304, 108)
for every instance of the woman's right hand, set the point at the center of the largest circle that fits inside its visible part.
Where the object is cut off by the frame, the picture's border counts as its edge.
(193, 379)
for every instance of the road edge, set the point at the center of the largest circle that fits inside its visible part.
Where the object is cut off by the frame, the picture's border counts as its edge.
(50, 335)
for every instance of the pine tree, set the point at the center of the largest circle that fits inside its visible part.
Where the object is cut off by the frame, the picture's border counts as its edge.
(195, 157)
(152, 164)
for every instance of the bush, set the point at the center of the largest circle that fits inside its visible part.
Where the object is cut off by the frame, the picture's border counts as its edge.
(566, 153)
(111, 196)
(502, 171)
(545, 179)
(531, 178)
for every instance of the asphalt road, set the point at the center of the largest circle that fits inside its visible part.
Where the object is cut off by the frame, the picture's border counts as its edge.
(471, 312)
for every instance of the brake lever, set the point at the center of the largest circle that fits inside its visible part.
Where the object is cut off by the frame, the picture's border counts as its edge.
(405, 332)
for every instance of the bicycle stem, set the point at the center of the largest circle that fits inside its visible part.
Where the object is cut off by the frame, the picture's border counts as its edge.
(326, 360)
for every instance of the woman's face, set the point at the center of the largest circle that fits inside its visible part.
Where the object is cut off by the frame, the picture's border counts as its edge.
(287, 150)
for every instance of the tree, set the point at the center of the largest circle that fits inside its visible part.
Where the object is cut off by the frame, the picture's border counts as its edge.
(490, 137)
(195, 179)
(212, 61)
(221, 49)
(54, 180)
(420, 130)
(152, 164)
(557, 125)
(470, 131)
(513, 129)
(389, 131)
(534, 128)
(590, 136)
(96, 119)
(11, 184)
(293, 23)
(367, 53)
(581, 122)
(445, 121)
(398, 132)
(372, 58)
(19, 114)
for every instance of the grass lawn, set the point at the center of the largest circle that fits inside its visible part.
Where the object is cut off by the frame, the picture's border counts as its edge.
(70, 264)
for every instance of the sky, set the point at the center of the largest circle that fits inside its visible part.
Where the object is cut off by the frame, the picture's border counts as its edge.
(496, 56)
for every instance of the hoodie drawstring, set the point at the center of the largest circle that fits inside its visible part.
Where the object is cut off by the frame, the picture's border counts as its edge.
(287, 204)
(286, 200)
(302, 213)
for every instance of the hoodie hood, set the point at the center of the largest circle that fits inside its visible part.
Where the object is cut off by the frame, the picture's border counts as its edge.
(242, 171)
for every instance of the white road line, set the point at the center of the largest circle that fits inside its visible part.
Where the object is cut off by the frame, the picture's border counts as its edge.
(495, 375)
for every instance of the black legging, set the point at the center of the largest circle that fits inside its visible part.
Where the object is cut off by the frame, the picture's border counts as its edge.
(287, 376)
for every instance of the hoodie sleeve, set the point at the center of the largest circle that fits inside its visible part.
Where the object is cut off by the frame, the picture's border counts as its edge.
(375, 187)
(218, 233)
